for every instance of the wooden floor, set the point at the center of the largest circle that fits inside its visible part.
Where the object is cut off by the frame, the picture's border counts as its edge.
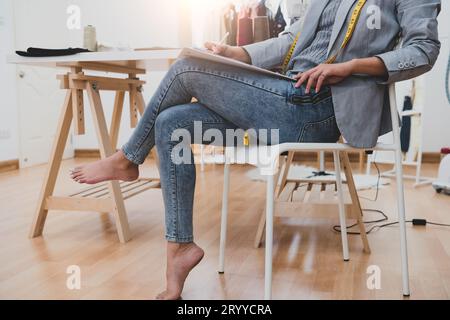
(307, 253)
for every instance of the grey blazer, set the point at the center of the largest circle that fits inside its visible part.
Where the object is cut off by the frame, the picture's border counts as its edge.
(361, 103)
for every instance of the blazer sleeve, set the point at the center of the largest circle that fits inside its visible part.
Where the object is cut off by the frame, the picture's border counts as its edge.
(420, 41)
(271, 53)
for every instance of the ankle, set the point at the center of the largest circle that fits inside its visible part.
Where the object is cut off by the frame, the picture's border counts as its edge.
(185, 247)
(179, 248)
(121, 161)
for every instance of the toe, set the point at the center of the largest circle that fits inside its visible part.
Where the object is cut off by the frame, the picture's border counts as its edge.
(76, 175)
(160, 296)
(167, 296)
(80, 179)
(88, 180)
(75, 170)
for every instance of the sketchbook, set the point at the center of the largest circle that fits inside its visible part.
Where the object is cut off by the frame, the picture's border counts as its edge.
(206, 55)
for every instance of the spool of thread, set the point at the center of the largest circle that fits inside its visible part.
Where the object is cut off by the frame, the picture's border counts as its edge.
(245, 31)
(259, 9)
(90, 38)
(261, 29)
(230, 21)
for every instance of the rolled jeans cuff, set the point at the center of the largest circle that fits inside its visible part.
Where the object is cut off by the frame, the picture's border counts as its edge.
(136, 159)
(179, 239)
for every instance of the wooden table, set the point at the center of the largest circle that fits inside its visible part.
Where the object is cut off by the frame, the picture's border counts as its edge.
(127, 66)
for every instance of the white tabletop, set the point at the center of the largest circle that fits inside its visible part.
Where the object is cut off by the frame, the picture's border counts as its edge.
(148, 59)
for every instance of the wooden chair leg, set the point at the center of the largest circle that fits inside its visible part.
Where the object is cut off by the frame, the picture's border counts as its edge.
(78, 111)
(78, 106)
(357, 210)
(106, 150)
(140, 101)
(59, 145)
(362, 158)
(260, 232)
(288, 164)
(134, 109)
(116, 118)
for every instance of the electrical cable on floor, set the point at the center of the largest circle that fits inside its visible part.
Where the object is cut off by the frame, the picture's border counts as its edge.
(415, 222)
(438, 224)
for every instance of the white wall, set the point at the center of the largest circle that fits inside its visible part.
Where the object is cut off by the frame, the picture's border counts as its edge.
(144, 23)
(206, 26)
(9, 141)
(137, 23)
(437, 108)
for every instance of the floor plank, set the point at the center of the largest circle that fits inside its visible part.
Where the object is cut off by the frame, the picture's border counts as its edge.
(307, 253)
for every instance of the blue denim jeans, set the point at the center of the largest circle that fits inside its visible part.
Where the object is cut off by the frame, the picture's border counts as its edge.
(227, 98)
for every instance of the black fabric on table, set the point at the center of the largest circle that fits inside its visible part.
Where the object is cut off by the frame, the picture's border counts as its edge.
(41, 52)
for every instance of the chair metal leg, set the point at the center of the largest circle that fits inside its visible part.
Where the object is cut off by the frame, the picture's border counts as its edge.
(269, 236)
(342, 215)
(286, 162)
(369, 164)
(400, 191)
(402, 221)
(419, 168)
(224, 222)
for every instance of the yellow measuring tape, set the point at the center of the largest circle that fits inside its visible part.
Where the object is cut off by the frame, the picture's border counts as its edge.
(289, 55)
(350, 30)
(246, 139)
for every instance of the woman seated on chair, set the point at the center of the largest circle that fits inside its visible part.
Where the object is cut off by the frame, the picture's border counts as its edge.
(339, 88)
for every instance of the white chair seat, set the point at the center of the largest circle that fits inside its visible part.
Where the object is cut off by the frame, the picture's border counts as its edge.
(264, 157)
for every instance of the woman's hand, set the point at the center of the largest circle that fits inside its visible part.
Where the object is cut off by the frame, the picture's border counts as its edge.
(324, 74)
(236, 53)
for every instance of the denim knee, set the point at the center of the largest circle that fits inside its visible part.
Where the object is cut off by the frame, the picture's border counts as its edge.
(186, 63)
(166, 123)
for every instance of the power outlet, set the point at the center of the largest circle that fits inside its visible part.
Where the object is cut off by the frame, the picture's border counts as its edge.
(5, 134)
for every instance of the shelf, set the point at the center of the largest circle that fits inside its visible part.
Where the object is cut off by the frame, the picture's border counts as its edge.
(303, 198)
(96, 198)
(129, 189)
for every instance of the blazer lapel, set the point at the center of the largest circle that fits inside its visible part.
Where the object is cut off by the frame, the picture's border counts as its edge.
(310, 24)
(341, 17)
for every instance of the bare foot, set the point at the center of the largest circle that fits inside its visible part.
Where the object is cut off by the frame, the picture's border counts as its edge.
(181, 259)
(116, 167)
